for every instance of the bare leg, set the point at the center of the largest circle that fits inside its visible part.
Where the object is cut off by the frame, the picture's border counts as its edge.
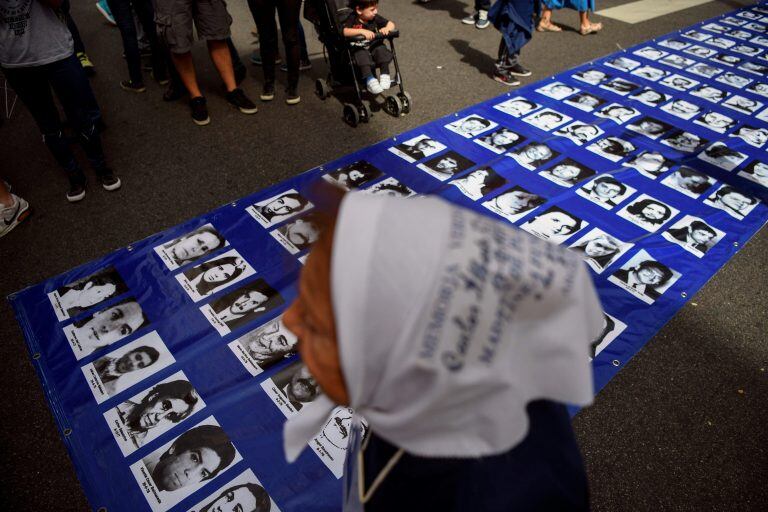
(222, 59)
(5, 195)
(586, 27)
(186, 69)
(545, 23)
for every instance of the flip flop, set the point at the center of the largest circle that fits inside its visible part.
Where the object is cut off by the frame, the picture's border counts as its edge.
(549, 27)
(592, 29)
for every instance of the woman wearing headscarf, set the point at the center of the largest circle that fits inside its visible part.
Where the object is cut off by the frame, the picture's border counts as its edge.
(457, 338)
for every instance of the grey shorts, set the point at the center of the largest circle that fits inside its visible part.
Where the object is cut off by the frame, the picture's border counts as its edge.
(174, 20)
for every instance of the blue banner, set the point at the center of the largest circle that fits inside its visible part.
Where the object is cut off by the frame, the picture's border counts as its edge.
(166, 363)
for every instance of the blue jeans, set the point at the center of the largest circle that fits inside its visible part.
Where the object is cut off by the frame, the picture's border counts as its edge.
(122, 10)
(67, 79)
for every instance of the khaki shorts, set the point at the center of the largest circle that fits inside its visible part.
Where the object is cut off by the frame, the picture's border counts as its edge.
(174, 20)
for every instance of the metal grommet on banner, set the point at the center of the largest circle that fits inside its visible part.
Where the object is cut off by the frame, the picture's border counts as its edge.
(735, 244)
(684, 294)
(616, 362)
(130, 248)
(36, 356)
(394, 139)
(233, 204)
(67, 432)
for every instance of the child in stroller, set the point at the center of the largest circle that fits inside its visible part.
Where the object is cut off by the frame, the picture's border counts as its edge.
(366, 21)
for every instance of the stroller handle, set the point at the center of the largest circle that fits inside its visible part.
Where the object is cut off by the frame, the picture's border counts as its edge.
(379, 36)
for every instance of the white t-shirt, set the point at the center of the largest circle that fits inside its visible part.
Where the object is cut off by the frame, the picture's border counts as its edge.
(32, 34)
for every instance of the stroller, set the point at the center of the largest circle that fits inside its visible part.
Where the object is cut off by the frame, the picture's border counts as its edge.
(327, 16)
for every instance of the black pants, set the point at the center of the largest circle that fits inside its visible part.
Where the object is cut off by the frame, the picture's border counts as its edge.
(67, 79)
(506, 60)
(122, 10)
(366, 58)
(263, 12)
(79, 46)
(482, 5)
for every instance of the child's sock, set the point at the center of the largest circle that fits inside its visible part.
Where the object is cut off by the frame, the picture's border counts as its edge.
(373, 85)
(385, 81)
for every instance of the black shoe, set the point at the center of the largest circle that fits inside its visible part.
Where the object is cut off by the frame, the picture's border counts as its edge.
(199, 111)
(506, 79)
(240, 73)
(173, 93)
(292, 96)
(240, 101)
(76, 190)
(129, 85)
(519, 70)
(268, 92)
(108, 179)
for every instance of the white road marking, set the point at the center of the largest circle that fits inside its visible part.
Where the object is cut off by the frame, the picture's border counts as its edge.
(643, 10)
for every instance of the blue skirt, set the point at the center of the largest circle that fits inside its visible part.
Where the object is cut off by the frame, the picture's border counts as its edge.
(576, 5)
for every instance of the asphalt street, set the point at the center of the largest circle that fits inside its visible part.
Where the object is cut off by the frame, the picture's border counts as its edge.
(682, 427)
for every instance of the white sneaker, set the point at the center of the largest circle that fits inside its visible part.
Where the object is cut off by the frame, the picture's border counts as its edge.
(385, 82)
(11, 216)
(373, 86)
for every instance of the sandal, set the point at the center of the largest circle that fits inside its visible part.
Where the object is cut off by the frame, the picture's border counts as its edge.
(593, 28)
(548, 27)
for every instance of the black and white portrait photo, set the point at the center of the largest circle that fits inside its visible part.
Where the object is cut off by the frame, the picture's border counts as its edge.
(244, 493)
(471, 126)
(299, 234)
(264, 346)
(744, 49)
(479, 183)
(651, 53)
(650, 163)
(331, 443)
(689, 181)
(650, 73)
(605, 191)
(700, 51)
(715, 121)
(755, 68)
(720, 155)
(694, 235)
(517, 107)
(580, 132)
(82, 294)
(732, 201)
(752, 135)
(353, 176)
(756, 172)
(567, 173)
(417, 148)
(704, 69)
(644, 277)
(618, 113)
(547, 119)
(759, 88)
(554, 225)
(557, 90)
(622, 63)
(714, 27)
(599, 249)
(612, 329)
(214, 275)
(739, 34)
(696, 35)
(742, 104)
(291, 388)
(446, 165)
(648, 213)
(724, 43)
(684, 141)
(619, 86)
(709, 93)
(726, 59)
(650, 97)
(191, 247)
(760, 40)
(649, 126)
(612, 148)
(591, 76)
(103, 328)
(500, 141)
(533, 155)
(734, 80)
(279, 208)
(241, 306)
(679, 82)
(674, 44)
(179, 468)
(123, 367)
(390, 187)
(515, 203)
(682, 109)
(585, 101)
(152, 412)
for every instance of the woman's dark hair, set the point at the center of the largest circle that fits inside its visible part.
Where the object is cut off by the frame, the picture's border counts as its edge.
(263, 503)
(638, 207)
(666, 273)
(395, 187)
(720, 151)
(696, 188)
(107, 276)
(204, 287)
(615, 148)
(612, 181)
(205, 436)
(491, 182)
(727, 189)
(178, 389)
(698, 225)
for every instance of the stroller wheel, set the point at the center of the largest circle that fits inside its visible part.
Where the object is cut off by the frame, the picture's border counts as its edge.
(393, 105)
(351, 117)
(322, 89)
(405, 98)
(365, 112)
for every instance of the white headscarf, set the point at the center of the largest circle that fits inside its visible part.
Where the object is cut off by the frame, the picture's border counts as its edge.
(448, 324)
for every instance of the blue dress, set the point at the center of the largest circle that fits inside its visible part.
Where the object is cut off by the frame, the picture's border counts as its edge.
(576, 5)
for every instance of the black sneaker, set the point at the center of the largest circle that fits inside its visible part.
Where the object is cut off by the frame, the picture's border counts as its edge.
(199, 111)
(268, 93)
(129, 85)
(240, 101)
(76, 190)
(173, 93)
(292, 96)
(519, 70)
(108, 179)
(240, 73)
(506, 79)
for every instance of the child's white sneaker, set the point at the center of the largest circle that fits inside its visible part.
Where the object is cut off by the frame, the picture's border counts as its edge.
(385, 81)
(373, 86)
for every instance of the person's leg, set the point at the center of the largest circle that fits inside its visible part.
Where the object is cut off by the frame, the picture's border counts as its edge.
(145, 12)
(545, 23)
(288, 12)
(186, 69)
(6, 199)
(303, 43)
(263, 12)
(222, 59)
(123, 14)
(13, 209)
(382, 57)
(585, 26)
(364, 63)
(237, 63)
